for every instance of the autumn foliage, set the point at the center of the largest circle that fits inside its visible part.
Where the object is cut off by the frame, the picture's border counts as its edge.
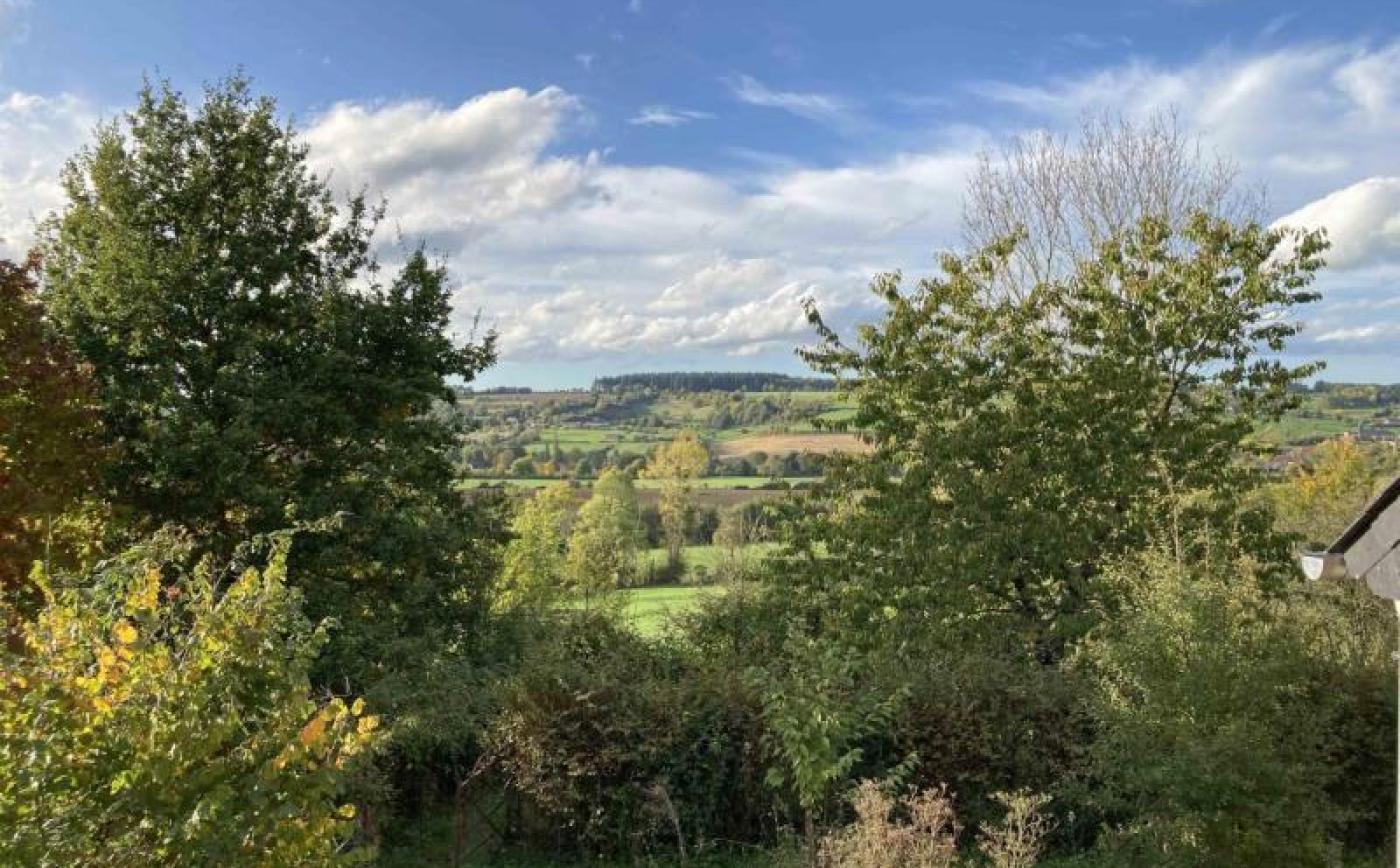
(49, 447)
(158, 715)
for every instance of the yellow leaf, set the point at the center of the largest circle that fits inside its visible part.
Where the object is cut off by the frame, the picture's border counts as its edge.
(145, 597)
(358, 708)
(313, 731)
(125, 633)
(369, 723)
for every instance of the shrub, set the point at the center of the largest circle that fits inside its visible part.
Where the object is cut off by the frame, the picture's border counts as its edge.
(876, 839)
(598, 725)
(819, 708)
(155, 716)
(1017, 841)
(985, 721)
(1223, 717)
(921, 831)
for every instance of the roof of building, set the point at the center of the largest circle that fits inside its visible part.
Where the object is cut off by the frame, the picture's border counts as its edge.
(1368, 517)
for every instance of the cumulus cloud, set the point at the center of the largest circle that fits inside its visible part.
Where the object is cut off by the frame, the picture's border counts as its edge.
(38, 133)
(459, 170)
(1316, 123)
(570, 255)
(1306, 119)
(573, 255)
(1362, 221)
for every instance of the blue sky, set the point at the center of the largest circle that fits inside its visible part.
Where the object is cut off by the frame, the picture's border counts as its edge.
(641, 184)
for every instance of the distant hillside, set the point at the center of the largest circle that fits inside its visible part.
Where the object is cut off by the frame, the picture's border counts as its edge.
(714, 381)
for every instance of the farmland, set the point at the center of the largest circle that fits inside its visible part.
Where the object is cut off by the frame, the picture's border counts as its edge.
(754, 437)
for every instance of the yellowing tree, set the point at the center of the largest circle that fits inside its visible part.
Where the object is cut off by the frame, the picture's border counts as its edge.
(1321, 497)
(158, 717)
(677, 464)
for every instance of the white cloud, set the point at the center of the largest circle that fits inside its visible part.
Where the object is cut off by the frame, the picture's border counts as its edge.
(575, 255)
(38, 135)
(1362, 222)
(571, 255)
(1316, 123)
(813, 106)
(454, 170)
(665, 116)
(1306, 119)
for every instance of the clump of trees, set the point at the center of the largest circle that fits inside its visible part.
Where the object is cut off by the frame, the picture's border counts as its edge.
(206, 347)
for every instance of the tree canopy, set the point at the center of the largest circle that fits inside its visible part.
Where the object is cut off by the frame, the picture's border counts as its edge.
(1020, 440)
(256, 363)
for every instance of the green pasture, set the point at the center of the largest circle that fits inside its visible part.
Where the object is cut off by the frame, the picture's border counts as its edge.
(649, 609)
(1293, 429)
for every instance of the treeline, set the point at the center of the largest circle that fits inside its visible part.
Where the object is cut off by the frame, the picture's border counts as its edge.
(714, 381)
(1357, 395)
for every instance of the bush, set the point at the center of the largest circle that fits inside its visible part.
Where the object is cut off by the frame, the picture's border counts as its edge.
(878, 840)
(921, 831)
(620, 746)
(1225, 718)
(984, 723)
(155, 716)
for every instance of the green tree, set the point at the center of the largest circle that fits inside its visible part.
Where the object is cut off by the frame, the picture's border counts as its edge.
(603, 546)
(533, 571)
(615, 484)
(818, 704)
(162, 716)
(1020, 440)
(255, 362)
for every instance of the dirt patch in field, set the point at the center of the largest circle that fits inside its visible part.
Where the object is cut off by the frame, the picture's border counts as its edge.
(782, 444)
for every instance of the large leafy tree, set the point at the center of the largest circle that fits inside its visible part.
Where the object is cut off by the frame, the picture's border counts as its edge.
(50, 446)
(603, 546)
(532, 571)
(1020, 440)
(256, 363)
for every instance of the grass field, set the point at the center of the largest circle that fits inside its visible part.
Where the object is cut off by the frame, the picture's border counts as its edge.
(708, 557)
(1298, 429)
(649, 609)
(621, 439)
